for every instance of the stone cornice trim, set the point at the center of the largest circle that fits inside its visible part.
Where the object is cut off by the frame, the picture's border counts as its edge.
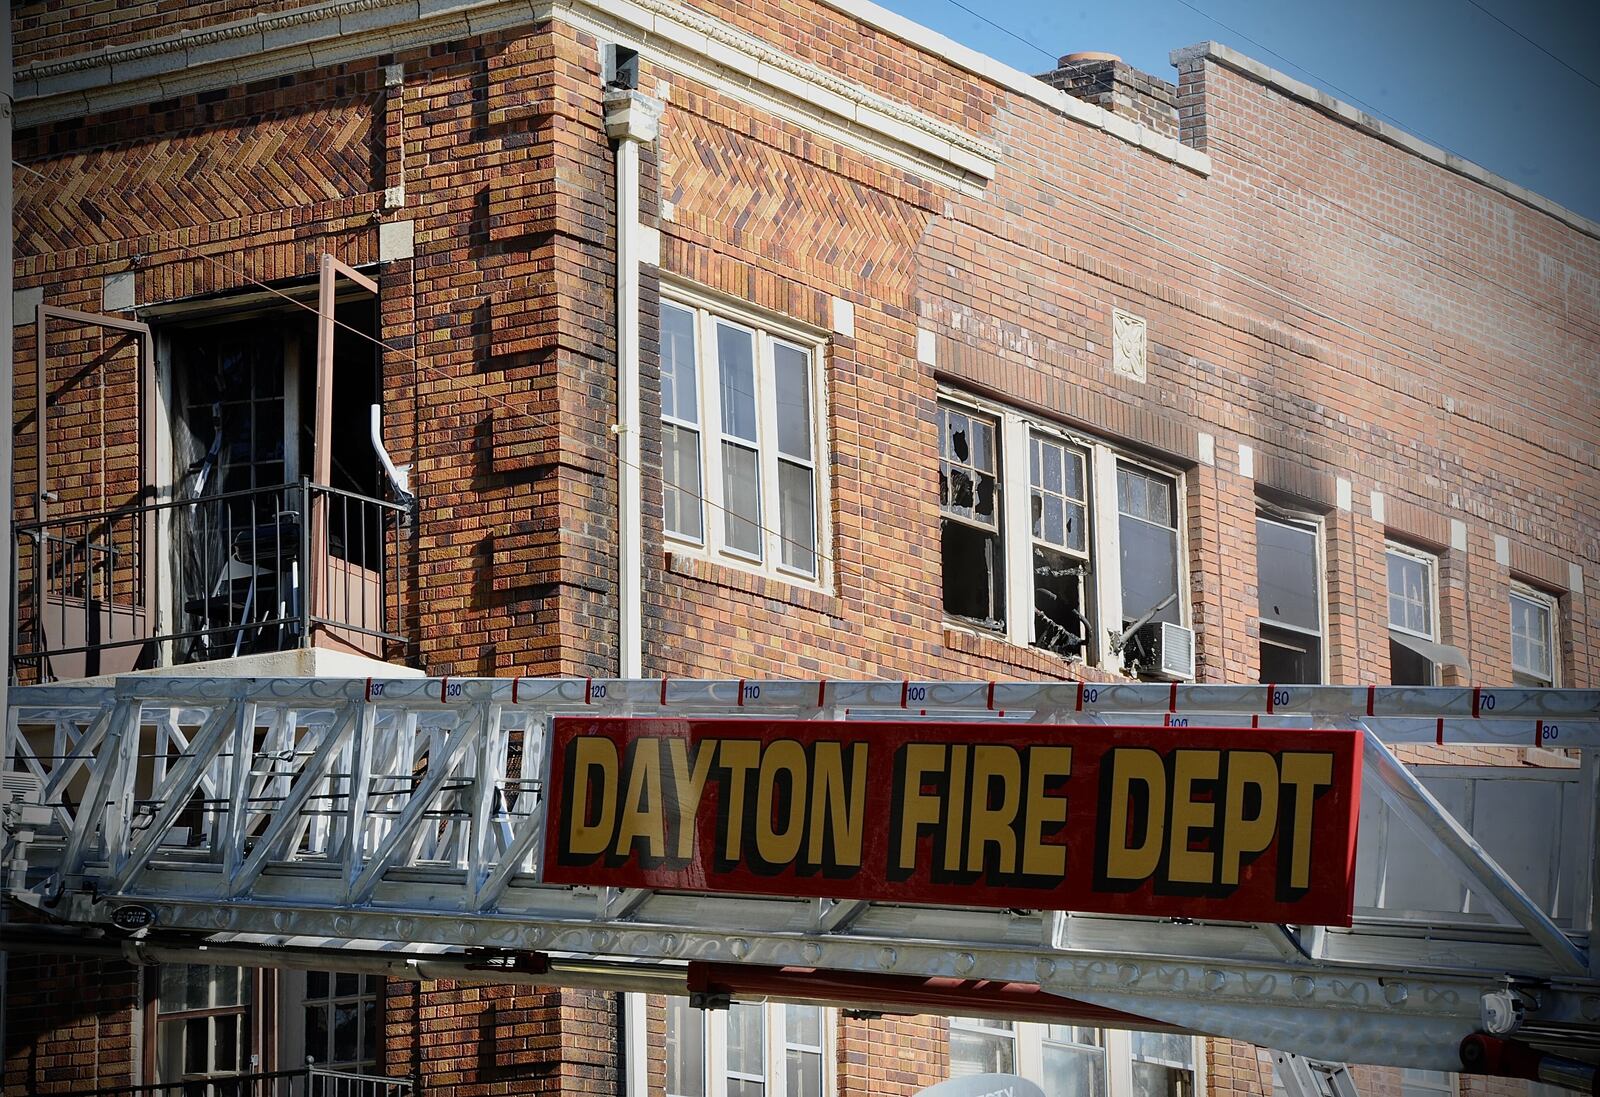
(1358, 119)
(681, 38)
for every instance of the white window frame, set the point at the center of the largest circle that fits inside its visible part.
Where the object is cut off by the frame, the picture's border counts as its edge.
(1428, 1083)
(775, 1035)
(1430, 567)
(1552, 608)
(1117, 1044)
(767, 332)
(1103, 585)
(1269, 512)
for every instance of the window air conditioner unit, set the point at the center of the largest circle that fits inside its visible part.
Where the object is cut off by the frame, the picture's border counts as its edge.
(1163, 650)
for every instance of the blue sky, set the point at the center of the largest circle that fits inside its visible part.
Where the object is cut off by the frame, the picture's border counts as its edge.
(1444, 70)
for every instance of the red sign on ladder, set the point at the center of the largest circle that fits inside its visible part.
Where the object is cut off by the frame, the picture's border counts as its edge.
(1241, 824)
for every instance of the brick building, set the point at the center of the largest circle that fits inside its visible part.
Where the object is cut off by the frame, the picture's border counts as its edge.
(907, 342)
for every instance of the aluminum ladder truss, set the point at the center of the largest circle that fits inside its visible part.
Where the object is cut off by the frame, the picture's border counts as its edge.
(401, 822)
(1302, 1077)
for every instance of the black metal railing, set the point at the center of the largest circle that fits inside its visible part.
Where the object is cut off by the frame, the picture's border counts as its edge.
(229, 574)
(309, 1081)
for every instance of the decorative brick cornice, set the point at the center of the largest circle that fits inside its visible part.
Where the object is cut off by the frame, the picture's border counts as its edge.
(676, 36)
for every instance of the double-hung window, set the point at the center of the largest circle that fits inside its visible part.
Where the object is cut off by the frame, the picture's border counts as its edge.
(979, 1045)
(748, 1050)
(1289, 592)
(1076, 1060)
(1533, 637)
(741, 439)
(1413, 617)
(1025, 552)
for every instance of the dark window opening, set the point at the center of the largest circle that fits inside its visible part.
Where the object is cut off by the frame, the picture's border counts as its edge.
(244, 435)
(972, 551)
(1407, 667)
(974, 574)
(1290, 658)
(1059, 620)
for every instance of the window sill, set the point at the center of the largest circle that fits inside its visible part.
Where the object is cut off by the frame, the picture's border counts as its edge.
(1033, 660)
(762, 586)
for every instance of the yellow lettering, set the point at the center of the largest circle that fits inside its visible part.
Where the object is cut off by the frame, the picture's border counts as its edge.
(1185, 865)
(991, 826)
(641, 807)
(781, 846)
(1305, 773)
(687, 787)
(1243, 835)
(955, 807)
(597, 756)
(917, 810)
(1138, 861)
(1039, 858)
(832, 813)
(738, 757)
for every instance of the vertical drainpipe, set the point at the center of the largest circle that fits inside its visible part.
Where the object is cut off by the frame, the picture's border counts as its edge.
(632, 120)
(6, 505)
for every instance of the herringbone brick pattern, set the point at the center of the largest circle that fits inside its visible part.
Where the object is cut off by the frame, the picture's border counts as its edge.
(274, 162)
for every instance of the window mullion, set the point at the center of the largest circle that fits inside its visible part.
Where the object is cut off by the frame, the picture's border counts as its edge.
(767, 452)
(1016, 535)
(1030, 1050)
(1119, 1063)
(711, 430)
(1105, 552)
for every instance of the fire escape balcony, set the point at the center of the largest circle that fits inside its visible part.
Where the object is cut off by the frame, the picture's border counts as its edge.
(225, 575)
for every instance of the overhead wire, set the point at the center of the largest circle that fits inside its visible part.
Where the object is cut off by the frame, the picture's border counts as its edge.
(1576, 72)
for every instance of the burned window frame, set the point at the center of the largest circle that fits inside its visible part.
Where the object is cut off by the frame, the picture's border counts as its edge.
(1100, 582)
(1279, 632)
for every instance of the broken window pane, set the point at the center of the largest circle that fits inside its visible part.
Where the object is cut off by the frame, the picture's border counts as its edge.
(969, 496)
(974, 573)
(1059, 513)
(1290, 658)
(1286, 574)
(1059, 622)
(1147, 534)
(1407, 667)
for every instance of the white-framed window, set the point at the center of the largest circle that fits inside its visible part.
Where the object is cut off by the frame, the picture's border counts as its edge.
(1413, 615)
(1074, 1060)
(1289, 571)
(1028, 547)
(979, 1045)
(1533, 637)
(1077, 1060)
(749, 1050)
(1426, 1083)
(742, 438)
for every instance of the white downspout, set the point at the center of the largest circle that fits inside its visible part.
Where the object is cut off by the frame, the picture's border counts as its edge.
(632, 119)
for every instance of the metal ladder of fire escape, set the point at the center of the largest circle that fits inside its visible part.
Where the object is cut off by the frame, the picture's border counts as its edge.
(401, 821)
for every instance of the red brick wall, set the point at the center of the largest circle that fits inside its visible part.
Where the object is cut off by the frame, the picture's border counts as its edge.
(69, 1023)
(1339, 306)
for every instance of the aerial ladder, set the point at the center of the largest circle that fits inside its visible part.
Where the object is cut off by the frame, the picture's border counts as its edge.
(403, 826)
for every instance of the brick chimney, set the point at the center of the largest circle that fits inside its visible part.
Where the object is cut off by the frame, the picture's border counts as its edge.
(1104, 80)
